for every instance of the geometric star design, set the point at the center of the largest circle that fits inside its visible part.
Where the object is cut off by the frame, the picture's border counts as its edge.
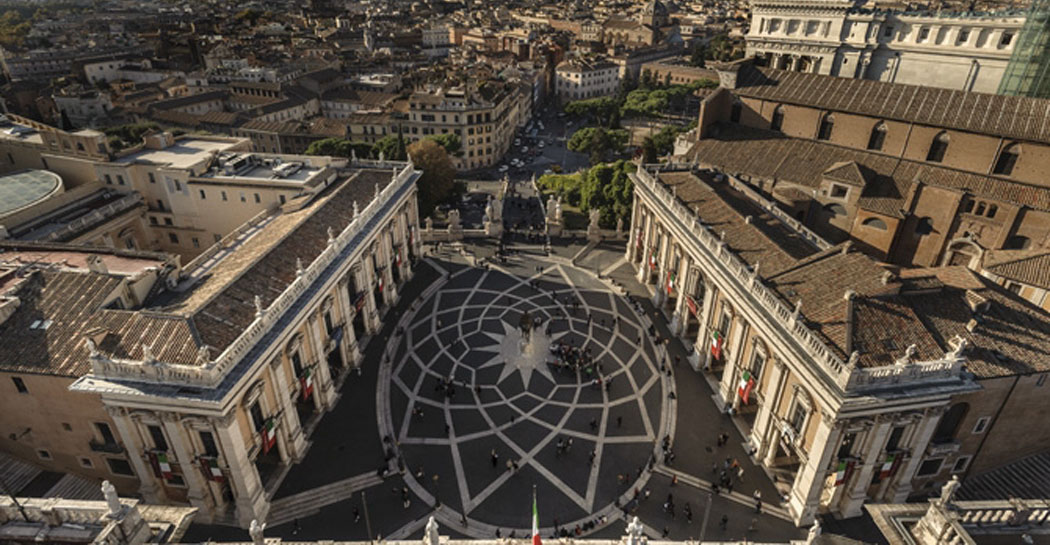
(531, 357)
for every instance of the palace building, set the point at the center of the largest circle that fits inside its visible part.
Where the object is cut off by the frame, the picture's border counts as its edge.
(199, 380)
(863, 369)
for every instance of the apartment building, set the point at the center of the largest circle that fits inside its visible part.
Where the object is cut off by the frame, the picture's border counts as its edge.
(578, 79)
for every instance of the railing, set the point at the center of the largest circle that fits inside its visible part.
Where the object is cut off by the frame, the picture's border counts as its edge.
(848, 377)
(784, 217)
(1002, 512)
(210, 373)
(741, 274)
(225, 241)
(97, 216)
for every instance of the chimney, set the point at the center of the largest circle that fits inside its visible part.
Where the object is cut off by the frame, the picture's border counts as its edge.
(887, 277)
(971, 326)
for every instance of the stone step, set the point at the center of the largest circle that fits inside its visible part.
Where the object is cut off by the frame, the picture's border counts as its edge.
(304, 503)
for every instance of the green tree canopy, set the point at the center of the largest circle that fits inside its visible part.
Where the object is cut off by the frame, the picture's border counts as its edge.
(598, 140)
(339, 147)
(389, 147)
(450, 142)
(438, 177)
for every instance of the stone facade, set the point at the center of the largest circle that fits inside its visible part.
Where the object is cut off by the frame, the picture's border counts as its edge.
(965, 52)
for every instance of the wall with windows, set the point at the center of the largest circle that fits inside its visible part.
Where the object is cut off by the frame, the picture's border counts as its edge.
(75, 435)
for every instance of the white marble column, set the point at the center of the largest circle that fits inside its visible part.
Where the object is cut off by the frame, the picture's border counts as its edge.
(636, 223)
(872, 458)
(809, 483)
(248, 493)
(769, 459)
(901, 487)
(196, 492)
(762, 431)
(128, 435)
(678, 315)
(647, 244)
(364, 280)
(350, 348)
(703, 348)
(324, 390)
(295, 444)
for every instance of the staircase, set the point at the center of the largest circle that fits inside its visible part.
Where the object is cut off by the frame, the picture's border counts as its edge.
(311, 501)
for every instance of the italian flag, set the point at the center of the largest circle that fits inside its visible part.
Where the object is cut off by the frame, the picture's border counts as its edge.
(398, 256)
(716, 345)
(211, 469)
(269, 435)
(747, 383)
(652, 260)
(164, 465)
(887, 467)
(535, 521)
(842, 473)
(380, 283)
(307, 382)
(671, 277)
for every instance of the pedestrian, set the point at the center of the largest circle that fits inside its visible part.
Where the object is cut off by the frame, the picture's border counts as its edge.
(688, 513)
(495, 457)
(420, 473)
(724, 522)
(754, 523)
(357, 515)
(674, 479)
(758, 500)
(594, 422)
(435, 478)
(619, 421)
(295, 527)
(593, 454)
(666, 531)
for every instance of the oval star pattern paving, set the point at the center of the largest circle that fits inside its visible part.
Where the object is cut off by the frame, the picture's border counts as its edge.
(520, 406)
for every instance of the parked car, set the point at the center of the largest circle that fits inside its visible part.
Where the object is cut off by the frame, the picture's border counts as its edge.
(503, 168)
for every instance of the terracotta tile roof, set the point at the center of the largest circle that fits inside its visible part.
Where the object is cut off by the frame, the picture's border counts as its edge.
(216, 310)
(1014, 117)
(768, 154)
(68, 300)
(1030, 267)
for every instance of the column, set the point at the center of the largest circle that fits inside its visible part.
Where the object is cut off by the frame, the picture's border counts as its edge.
(764, 421)
(795, 61)
(350, 348)
(197, 493)
(248, 493)
(295, 447)
(901, 486)
(677, 320)
(632, 240)
(663, 255)
(324, 392)
(363, 279)
(402, 239)
(130, 437)
(702, 336)
(770, 457)
(647, 243)
(809, 483)
(875, 441)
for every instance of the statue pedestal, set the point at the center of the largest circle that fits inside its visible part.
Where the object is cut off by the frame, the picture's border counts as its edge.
(594, 234)
(554, 229)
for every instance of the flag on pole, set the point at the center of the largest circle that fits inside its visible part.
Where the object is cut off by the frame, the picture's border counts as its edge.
(307, 382)
(164, 465)
(888, 466)
(269, 435)
(671, 276)
(843, 472)
(652, 260)
(747, 383)
(535, 520)
(716, 345)
(211, 469)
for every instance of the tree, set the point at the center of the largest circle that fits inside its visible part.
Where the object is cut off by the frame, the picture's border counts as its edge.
(649, 153)
(450, 142)
(399, 150)
(388, 146)
(339, 147)
(598, 141)
(600, 108)
(438, 179)
(697, 56)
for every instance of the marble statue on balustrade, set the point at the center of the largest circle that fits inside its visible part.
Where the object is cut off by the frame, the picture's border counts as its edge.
(455, 229)
(554, 223)
(493, 219)
(594, 231)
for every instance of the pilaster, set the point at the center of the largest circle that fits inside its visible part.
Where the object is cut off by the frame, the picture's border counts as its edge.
(761, 432)
(901, 487)
(248, 493)
(196, 488)
(295, 444)
(809, 483)
(875, 441)
(128, 433)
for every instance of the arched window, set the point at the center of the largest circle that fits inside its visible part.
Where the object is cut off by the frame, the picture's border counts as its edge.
(938, 147)
(1017, 242)
(1007, 159)
(778, 119)
(826, 126)
(949, 423)
(878, 137)
(835, 209)
(734, 113)
(874, 223)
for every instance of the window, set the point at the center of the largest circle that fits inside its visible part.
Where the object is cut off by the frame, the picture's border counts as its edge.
(257, 198)
(328, 323)
(66, 426)
(44, 454)
(874, 223)
(930, 467)
(168, 221)
(196, 242)
(86, 462)
(835, 209)
(735, 111)
(964, 36)
(223, 195)
(208, 442)
(157, 435)
(120, 179)
(961, 464)
(108, 179)
(204, 196)
(839, 191)
(878, 137)
(827, 124)
(798, 417)
(846, 447)
(938, 147)
(105, 433)
(173, 238)
(980, 425)
(20, 385)
(888, 32)
(1007, 159)
(1017, 242)
(968, 208)
(257, 416)
(1006, 39)
(178, 186)
(1013, 287)
(894, 442)
(119, 466)
(281, 198)
(992, 210)
(778, 119)
(1041, 380)
(924, 34)
(243, 197)
(949, 423)
(152, 178)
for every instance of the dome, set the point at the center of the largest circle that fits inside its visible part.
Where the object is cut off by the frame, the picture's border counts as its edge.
(23, 189)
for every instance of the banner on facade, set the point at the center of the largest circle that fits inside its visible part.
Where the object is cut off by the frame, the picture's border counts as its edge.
(889, 466)
(652, 260)
(306, 380)
(843, 472)
(211, 469)
(747, 383)
(359, 301)
(671, 277)
(691, 303)
(716, 344)
(269, 435)
(160, 463)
